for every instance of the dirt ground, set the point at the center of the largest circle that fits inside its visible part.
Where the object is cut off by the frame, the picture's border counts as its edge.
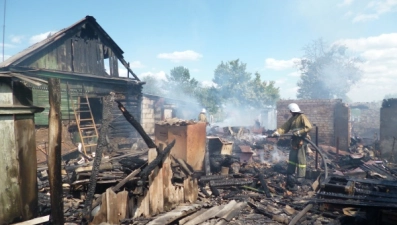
(42, 142)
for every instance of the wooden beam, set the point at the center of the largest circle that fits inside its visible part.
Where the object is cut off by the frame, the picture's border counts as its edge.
(54, 150)
(149, 142)
(156, 195)
(34, 221)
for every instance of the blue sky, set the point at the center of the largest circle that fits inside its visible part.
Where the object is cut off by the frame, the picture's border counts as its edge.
(268, 36)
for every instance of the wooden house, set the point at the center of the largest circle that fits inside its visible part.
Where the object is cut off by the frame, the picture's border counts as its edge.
(86, 60)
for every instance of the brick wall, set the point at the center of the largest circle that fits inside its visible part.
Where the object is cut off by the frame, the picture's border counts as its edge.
(365, 119)
(323, 114)
(148, 115)
(388, 127)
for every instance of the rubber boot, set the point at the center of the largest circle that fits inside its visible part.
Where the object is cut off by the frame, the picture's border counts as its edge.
(291, 183)
(300, 180)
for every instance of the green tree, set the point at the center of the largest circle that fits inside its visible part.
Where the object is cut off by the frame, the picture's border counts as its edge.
(236, 86)
(152, 86)
(208, 97)
(180, 83)
(327, 72)
(232, 80)
(262, 93)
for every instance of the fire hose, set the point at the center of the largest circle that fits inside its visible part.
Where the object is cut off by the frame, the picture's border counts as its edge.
(310, 205)
(323, 157)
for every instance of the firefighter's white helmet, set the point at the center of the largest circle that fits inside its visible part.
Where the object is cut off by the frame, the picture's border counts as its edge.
(203, 111)
(294, 107)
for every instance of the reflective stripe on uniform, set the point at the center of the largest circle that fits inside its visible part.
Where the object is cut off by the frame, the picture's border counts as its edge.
(296, 164)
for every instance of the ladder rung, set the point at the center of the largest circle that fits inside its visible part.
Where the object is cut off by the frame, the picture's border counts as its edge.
(85, 119)
(83, 103)
(90, 145)
(86, 128)
(83, 111)
(90, 136)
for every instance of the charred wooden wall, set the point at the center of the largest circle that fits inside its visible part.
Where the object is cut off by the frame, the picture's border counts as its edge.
(331, 116)
(129, 95)
(83, 52)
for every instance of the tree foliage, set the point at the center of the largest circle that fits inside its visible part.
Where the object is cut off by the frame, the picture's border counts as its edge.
(153, 86)
(233, 85)
(179, 81)
(236, 86)
(327, 72)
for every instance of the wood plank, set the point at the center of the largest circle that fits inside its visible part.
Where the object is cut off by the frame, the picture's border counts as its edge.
(175, 214)
(122, 206)
(111, 205)
(156, 196)
(190, 187)
(54, 150)
(34, 221)
(142, 206)
(167, 185)
(102, 214)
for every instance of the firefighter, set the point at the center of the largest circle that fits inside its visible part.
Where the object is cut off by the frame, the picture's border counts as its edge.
(202, 116)
(300, 126)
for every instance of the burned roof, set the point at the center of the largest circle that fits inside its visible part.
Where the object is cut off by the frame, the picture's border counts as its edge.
(80, 48)
(15, 59)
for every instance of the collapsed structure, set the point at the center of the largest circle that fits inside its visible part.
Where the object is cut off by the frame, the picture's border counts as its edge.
(158, 169)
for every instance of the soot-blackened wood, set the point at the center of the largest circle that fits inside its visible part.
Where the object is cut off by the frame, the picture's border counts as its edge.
(54, 150)
(264, 185)
(149, 142)
(157, 162)
(101, 145)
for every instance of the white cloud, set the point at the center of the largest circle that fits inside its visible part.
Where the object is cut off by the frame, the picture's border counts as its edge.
(158, 75)
(195, 70)
(348, 14)
(383, 41)
(207, 83)
(17, 38)
(365, 17)
(136, 65)
(40, 37)
(345, 3)
(275, 64)
(294, 74)
(375, 9)
(7, 45)
(123, 71)
(379, 68)
(187, 55)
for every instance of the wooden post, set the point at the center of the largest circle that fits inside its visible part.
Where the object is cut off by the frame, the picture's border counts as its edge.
(128, 72)
(54, 150)
(317, 146)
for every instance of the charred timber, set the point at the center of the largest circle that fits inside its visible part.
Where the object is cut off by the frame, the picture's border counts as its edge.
(263, 211)
(359, 198)
(213, 177)
(264, 185)
(359, 191)
(157, 161)
(54, 150)
(101, 145)
(231, 182)
(149, 142)
(356, 203)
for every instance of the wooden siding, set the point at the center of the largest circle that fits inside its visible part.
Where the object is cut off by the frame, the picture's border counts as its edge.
(84, 52)
(130, 96)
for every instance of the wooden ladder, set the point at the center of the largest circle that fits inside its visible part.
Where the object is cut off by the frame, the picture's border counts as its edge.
(86, 126)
